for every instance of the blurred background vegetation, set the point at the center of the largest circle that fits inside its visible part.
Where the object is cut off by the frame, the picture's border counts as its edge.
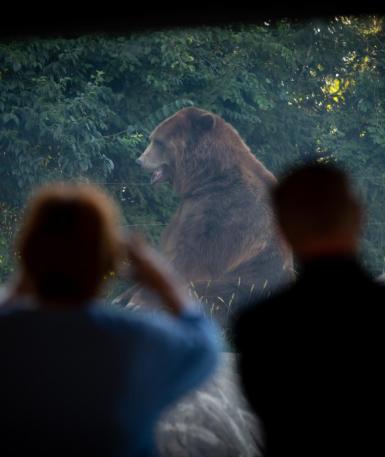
(82, 108)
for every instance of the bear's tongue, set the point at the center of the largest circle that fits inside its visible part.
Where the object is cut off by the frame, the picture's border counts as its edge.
(157, 175)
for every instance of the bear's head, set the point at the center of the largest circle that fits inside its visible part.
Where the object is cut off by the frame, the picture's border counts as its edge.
(192, 147)
(170, 142)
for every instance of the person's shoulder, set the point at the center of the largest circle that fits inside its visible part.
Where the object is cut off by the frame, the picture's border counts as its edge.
(144, 324)
(12, 307)
(376, 293)
(255, 319)
(266, 308)
(116, 317)
(7, 312)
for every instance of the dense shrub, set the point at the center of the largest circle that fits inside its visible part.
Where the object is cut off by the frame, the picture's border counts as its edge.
(82, 109)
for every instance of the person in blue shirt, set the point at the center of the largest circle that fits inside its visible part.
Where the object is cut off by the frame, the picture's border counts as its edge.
(79, 378)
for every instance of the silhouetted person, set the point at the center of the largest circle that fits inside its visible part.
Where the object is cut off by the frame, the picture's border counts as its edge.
(82, 379)
(312, 354)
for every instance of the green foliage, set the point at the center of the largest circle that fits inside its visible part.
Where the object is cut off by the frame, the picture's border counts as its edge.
(82, 109)
(9, 219)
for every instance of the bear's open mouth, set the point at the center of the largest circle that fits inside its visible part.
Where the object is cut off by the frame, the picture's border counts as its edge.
(161, 174)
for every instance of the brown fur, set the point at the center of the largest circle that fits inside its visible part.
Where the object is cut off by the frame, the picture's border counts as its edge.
(222, 237)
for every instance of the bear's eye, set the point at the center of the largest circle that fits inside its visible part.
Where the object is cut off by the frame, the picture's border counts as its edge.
(158, 144)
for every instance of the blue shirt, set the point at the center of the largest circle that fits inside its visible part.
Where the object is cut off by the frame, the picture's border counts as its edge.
(94, 381)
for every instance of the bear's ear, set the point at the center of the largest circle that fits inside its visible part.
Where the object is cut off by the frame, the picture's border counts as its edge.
(206, 121)
(202, 121)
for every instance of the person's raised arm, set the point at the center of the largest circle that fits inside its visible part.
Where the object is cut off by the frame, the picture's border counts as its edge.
(184, 346)
(150, 270)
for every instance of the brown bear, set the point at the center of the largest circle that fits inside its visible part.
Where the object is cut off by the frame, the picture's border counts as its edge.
(222, 238)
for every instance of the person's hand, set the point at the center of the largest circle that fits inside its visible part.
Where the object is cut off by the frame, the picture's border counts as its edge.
(151, 270)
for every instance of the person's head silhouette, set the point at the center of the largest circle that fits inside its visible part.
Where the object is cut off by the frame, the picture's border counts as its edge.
(317, 211)
(68, 243)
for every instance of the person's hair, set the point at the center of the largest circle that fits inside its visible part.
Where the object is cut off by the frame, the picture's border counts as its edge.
(68, 241)
(314, 200)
